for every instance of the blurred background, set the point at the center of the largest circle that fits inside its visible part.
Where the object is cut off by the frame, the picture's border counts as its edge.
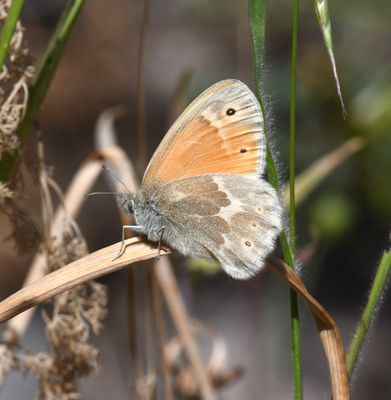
(343, 226)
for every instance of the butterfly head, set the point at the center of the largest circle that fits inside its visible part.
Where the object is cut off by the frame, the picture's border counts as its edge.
(127, 201)
(134, 203)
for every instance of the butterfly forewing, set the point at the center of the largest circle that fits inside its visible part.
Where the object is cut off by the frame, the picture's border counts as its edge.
(221, 132)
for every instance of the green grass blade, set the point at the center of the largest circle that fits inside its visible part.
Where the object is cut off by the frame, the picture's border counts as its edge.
(292, 126)
(9, 28)
(43, 79)
(295, 321)
(257, 27)
(375, 295)
(256, 10)
(323, 17)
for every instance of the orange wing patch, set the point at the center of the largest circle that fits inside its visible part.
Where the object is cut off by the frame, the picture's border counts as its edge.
(219, 133)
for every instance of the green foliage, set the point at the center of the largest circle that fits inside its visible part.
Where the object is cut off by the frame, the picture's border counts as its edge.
(374, 299)
(257, 26)
(332, 216)
(9, 28)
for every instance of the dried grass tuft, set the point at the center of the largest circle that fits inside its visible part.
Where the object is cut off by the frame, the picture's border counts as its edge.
(15, 77)
(74, 315)
(5, 193)
(25, 233)
(7, 361)
(47, 372)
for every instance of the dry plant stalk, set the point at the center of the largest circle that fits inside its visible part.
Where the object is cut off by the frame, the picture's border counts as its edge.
(184, 381)
(101, 262)
(327, 328)
(74, 313)
(89, 267)
(320, 169)
(80, 186)
(168, 284)
(164, 275)
(17, 326)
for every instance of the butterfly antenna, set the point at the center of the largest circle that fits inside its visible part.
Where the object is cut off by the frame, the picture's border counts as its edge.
(111, 193)
(116, 177)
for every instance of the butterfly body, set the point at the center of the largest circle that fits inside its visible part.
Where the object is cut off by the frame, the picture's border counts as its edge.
(203, 193)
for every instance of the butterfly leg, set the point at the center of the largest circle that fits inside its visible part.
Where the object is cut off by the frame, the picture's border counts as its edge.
(161, 232)
(123, 238)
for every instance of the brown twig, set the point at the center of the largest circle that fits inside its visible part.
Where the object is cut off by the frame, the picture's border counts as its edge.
(169, 287)
(141, 123)
(101, 262)
(308, 180)
(81, 184)
(166, 279)
(162, 334)
(178, 311)
(89, 267)
(105, 140)
(327, 328)
(74, 198)
(180, 96)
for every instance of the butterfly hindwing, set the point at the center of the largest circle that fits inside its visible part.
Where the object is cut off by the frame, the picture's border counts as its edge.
(231, 218)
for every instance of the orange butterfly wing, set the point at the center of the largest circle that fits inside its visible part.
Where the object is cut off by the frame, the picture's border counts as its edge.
(220, 132)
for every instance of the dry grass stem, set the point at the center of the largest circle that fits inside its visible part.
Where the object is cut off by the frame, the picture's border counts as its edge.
(80, 185)
(161, 333)
(123, 168)
(177, 308)
(101, 262)
(89, 267)
(216, 368)
(180, 97)
(141, 120)
(317, 172)
(105, 137)
(41, 288)
(327, 328)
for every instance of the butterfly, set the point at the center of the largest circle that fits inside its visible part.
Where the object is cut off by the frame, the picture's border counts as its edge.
(202, 193)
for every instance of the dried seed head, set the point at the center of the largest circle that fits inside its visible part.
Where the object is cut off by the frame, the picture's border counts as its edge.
(25, 232)
(5, 193)
(7, 361)
(15, 77)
